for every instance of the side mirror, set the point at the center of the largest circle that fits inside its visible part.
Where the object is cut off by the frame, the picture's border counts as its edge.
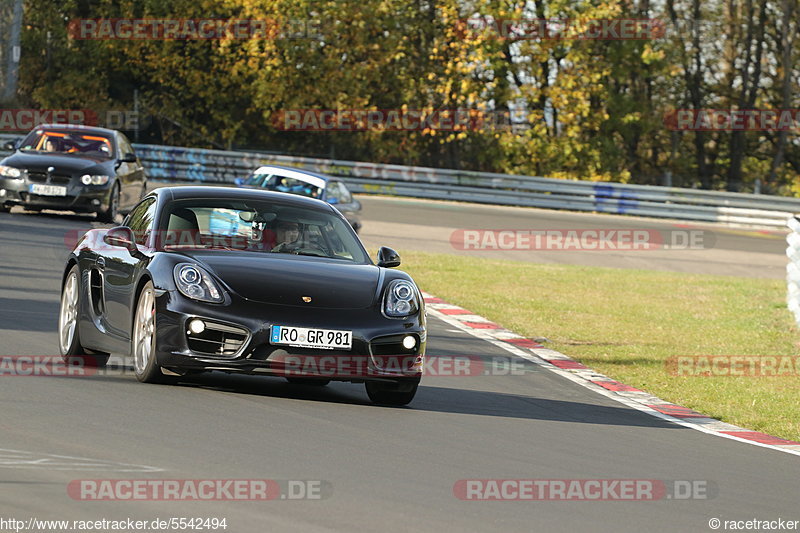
(388, 258)
(238, 181)
(129, 158)
(333, 200)
(10, 145)
(123, 237)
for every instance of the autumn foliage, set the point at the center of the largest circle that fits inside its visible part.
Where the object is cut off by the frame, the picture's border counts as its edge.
(578, 107)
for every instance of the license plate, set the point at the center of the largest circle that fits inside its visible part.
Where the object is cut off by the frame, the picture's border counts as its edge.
(48, 190)
(326, 339)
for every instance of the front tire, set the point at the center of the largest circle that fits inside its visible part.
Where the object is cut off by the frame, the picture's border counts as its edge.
(110, 215)
(395, 394)
(143, 349)
(69, 339)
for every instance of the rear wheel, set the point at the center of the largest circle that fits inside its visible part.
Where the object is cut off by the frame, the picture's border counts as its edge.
(110, 214)
(69, 341)
(145, 366)
(396, 394)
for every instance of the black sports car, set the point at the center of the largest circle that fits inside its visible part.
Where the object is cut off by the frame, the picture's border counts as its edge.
(76, 168)
(242, 280)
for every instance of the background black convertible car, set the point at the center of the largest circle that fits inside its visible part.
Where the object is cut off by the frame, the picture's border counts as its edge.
(242, 280)
(77, 168)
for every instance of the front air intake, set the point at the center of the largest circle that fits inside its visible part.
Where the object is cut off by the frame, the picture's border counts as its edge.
(219, 340)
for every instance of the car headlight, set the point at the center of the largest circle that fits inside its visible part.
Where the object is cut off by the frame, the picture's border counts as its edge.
(10, 172)
(197, 284)
(88, 179)
(400, 299)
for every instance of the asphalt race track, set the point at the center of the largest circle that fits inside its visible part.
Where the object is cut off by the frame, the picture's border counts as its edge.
(428, 226)
(382, 468)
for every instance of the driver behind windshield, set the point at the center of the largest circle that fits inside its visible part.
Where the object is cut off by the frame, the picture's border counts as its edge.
(287, 236)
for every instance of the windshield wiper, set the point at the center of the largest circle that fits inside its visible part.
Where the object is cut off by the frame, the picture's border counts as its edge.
(203, 246)
(312, 254)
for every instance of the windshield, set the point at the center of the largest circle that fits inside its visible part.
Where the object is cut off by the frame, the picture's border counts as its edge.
(273, 182)
(259, 226)
(69, 143)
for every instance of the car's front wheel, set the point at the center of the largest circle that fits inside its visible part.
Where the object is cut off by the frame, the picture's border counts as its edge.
(110, 214)
(397, 394)
(69, 339)
(145, 366)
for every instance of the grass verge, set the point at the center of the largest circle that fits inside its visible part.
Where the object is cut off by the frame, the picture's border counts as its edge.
(628, 323)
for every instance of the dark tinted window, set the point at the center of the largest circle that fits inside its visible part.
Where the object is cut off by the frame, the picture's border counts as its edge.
(336, 189)
(332, 191)
(292, 186)
(257, 180)
(140, 220)
(262, 226)
(344, 195)
(69, 142)
(125, 146)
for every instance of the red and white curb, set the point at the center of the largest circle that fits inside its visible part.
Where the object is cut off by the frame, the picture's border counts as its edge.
(557, 362)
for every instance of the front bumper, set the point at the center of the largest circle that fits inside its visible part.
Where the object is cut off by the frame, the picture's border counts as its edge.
(376, 354)
(79, 197)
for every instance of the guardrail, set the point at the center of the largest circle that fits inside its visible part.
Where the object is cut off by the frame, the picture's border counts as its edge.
(793, 268)
(216, 166)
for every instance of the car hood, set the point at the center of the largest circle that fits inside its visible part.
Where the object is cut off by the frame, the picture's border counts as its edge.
(276, 279)
(62, 163)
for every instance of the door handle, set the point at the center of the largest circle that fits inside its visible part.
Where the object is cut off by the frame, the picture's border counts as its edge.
(101, 263)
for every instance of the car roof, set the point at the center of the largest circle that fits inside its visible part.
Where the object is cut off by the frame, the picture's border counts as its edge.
(314, 178)
(187, 192)
(77, 128)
